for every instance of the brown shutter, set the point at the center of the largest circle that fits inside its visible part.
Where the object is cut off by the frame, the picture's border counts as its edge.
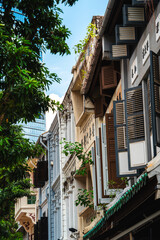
(99, 107)
(114, 181)
(42, 167)
(109, 77)
(40, 174)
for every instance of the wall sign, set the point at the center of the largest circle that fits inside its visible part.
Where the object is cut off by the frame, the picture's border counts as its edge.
(134, 70)
(145, 50)
(157, 28)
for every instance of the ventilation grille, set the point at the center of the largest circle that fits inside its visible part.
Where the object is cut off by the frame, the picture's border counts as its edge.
(127, 33)
(136, 14)
(119, 51)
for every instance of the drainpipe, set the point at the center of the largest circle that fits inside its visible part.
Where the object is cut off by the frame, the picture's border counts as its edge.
(49, 184)
(60, 146)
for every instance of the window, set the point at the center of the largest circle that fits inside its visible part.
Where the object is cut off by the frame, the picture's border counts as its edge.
(31, 199)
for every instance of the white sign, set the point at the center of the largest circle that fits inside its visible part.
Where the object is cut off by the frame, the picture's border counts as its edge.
(145, 50)
(134, 70)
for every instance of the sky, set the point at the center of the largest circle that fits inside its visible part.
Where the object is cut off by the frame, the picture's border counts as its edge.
(76, 18)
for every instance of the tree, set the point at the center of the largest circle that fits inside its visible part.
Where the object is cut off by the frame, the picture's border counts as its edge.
(23, 80)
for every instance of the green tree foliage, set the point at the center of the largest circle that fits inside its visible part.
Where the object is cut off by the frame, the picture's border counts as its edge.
(23, 81)
(77, 149)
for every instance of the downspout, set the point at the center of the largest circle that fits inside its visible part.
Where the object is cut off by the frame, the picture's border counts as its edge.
(49, 185)
(59, 124)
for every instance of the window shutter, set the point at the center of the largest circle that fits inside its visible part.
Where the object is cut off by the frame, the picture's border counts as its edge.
(121, 148)
(98, 171)
(94, 177)
(155, 99)
(40, 174)
(133, 15)
(109, 77)
(104, 162)
(99, 107)
(114, 181)
(42, 167)
(97, 176)
(135, 128)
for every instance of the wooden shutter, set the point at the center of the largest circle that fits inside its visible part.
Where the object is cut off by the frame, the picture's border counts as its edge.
(42, 167)
(125, 34)
(133, 15)
(97, 176)
(135, 128)
(114, 181)
(40, 174)
(94, 177)
(104, 162)
(99, 107)
(121, 146)
(109, 77)
(155, 99)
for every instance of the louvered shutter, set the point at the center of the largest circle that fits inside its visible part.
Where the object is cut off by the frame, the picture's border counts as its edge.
(109, 77)
(97, 176)
(98, 171)
(155, 99)
(135, 128)
(104, 162)
(42, 167)
(133, 15)
(99, 107)
(119, 51)
(121, 147)
(125, 34)
(94, 177)
(113, 179)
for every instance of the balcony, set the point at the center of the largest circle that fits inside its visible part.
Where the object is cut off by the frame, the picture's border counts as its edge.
(25, 213)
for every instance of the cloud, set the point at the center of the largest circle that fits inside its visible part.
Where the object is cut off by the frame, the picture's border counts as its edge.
(50, 115)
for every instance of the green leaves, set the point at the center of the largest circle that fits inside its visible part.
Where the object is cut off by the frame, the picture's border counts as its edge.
(91, 33)
(77, 149)
(84, 198)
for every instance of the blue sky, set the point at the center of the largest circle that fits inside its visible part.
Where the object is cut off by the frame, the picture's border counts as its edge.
(76, 18)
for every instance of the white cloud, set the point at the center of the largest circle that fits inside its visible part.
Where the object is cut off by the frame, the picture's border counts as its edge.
(50, 115)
